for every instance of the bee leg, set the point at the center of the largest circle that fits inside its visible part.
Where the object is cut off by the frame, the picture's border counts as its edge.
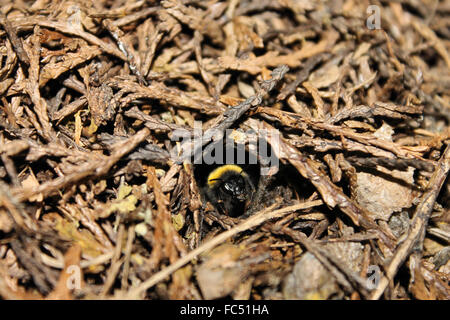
(256, 202)
(198, 221)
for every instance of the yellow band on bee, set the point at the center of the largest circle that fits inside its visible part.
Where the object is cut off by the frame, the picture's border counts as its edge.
(217, 173)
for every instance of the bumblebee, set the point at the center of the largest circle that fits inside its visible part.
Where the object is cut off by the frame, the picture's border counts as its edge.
(229, 189)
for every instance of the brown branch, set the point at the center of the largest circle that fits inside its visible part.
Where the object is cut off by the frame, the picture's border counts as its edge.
(255, 220)
(98, 166)
(331, 194)
(418, 224)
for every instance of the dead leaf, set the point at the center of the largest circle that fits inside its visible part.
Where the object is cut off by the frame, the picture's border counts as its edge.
(323, 78)
(386, 192)
(309, 280)
(221, 273)
(32, 182)
(63, 290)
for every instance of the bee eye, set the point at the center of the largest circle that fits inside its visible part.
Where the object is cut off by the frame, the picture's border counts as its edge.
(232, 188)
(228, 187)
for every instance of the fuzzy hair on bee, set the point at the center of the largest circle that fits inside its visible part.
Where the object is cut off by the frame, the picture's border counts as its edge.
(229, 189)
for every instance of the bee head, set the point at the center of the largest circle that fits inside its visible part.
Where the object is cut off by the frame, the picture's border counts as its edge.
(235, 187)
(229, 188)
